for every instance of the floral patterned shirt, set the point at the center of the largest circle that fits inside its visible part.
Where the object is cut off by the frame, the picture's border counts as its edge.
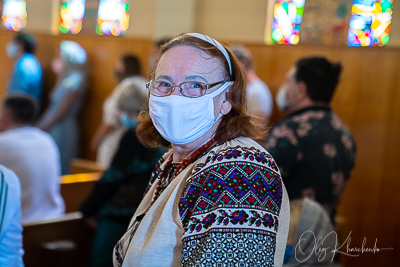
(315, 153)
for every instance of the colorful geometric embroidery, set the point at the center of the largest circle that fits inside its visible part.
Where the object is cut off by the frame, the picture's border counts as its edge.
(156, 172)
(232, 181)
(119, 249)
(229, 249)
(229, 209)
(228, 217)
(243, 153)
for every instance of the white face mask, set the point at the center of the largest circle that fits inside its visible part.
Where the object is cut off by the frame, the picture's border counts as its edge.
(180, 119)
(281, 100)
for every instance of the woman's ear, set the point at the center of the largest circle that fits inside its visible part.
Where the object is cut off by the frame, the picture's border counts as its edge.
(226, 105)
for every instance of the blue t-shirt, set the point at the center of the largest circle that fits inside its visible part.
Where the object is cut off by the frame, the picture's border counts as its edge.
(27, 77)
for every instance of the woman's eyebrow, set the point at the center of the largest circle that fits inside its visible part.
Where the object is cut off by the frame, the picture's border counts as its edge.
(195, 77)
(164, 77)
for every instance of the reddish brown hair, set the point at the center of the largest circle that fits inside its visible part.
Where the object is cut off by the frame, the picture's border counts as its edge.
(238, 122)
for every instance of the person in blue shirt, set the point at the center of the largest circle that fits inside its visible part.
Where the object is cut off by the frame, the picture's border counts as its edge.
(11, 251)
(26, 76)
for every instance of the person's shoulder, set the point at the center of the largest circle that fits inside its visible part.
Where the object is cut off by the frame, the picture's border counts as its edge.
(10, 137)
(28, 60)
(73, 80)
(241, 150)
(286, 122)
(42, 137)
(9, 178)
(315, 114)
(301, 118)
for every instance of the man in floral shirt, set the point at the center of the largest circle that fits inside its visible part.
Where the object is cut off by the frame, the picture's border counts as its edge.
(312, 147)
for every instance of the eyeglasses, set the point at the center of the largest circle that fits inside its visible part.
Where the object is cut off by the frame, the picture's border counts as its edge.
(188, 89)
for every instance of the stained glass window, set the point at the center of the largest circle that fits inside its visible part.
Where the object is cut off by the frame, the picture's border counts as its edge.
(370, 23)
(71, 16)
(288, 15)
(113, 17)
(14, 15)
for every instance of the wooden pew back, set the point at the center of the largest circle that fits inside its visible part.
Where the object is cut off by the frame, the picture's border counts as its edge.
(76, 187)
(62, 242)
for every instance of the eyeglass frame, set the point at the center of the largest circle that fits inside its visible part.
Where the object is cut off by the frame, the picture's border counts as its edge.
(208, 86)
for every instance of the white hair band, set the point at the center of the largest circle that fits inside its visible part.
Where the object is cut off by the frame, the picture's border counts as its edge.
(215, 43)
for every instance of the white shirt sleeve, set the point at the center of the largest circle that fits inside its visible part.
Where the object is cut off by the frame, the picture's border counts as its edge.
(259, 98)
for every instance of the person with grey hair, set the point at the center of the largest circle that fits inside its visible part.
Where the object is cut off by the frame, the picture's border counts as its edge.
(109, 133)
(309, 227)
(259, 97)
(60, 118)
(115, 196)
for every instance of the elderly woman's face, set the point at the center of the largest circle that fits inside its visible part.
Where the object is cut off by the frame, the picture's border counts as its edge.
(185, 63)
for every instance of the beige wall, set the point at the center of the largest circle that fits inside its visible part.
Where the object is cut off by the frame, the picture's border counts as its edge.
(39, 16)
(395, 30)
(235, 20)
(174, 17)
(142, 18)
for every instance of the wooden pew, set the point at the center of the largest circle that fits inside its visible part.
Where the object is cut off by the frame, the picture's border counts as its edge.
(76, 187)
(61, 242)
(85, 166)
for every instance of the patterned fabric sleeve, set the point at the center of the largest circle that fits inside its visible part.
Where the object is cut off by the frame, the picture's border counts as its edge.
(230, 209)
(282, 144)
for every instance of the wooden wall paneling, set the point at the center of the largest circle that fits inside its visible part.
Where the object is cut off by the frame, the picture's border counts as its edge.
(5, 62)
(367, 101)
(390, 182)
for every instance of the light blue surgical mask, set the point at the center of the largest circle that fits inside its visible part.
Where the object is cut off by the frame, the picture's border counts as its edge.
(11, 50)
(127, 122)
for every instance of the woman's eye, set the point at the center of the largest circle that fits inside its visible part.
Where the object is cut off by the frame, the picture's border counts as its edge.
(164, 84)
(195, 85)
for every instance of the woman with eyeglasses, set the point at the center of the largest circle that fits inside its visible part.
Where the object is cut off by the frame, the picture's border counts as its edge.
(217, 197)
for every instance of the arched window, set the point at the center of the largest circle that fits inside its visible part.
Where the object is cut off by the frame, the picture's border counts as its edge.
(71, 16)
(288, 15)
(113, 17)
(14, 15)
(370, 23)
